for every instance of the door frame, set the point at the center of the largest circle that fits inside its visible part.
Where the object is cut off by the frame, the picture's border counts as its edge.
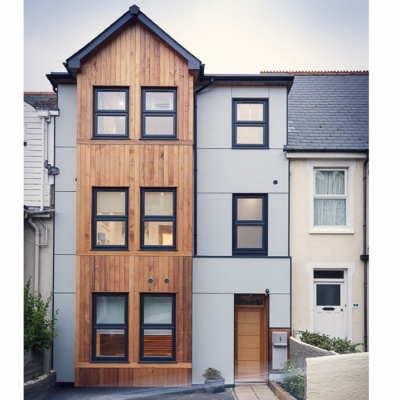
(348, 269)
(264, 335)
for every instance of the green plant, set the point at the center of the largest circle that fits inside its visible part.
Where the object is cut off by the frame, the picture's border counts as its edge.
(293, 379)
(39, 331)
(339, 345)
(212, 374)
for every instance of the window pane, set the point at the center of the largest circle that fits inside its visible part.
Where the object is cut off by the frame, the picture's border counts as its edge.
(329, 212)
(157, 342)
(110, 342)
(249, 209)
(249, 112)
(110, 233)
(250, 135)
(159, 203)
(157, 310)
(328, 274)
(329, 182)
(110, 310)
(249, 237)
(111, 203)
(111, 100)
(328, 295)
(158, 233)
(163, 101)
(111, 125)
(159, 126)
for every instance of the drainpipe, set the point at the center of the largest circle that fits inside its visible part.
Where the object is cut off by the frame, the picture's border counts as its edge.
(36, 257)
(196, 93)
(365, 257)
(44, 115)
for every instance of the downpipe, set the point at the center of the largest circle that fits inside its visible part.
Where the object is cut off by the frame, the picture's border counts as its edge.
(36, 255)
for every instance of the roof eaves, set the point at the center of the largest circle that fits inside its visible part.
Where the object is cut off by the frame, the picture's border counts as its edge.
(324, 150)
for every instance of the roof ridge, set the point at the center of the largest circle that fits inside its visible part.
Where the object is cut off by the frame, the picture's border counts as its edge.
(52, 93)
(316, 73)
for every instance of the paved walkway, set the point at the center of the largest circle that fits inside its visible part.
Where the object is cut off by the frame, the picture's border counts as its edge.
(254, 392)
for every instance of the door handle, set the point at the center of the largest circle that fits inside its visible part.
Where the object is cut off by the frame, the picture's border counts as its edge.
(329, 308)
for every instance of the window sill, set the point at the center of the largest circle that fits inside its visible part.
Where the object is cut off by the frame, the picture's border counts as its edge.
(109, 362)
(331, 231)
(157, 362)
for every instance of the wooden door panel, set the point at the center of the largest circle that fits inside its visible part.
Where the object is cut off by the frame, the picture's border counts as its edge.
(248, 317)
(248, 354)
(249, 367)
(248, 342)
(249, 329)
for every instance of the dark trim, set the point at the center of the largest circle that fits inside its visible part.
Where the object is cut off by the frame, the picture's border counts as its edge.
(120, 326)
(97, 112)
(157, 218)
(365, 257)
(58, 78)
(323, 150)
(264, 123)
(171, 326)
(158, 113)
(96, 218)
(263, 223)
(285, 80)
(246, 256)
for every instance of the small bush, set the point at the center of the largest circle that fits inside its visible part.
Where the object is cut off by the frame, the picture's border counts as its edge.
(39, 331)
(339, 345)
(212, 374)
(293, 379)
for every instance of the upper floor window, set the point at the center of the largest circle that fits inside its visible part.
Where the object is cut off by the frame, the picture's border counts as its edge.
(250, 123)
(158, 209)
(110, 327)
(330, 197)
(250, 227)
(111, 107)
(159, 113)
(157, 327)
(110, 218)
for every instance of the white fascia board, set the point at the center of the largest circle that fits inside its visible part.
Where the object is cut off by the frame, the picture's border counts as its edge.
(326, 155)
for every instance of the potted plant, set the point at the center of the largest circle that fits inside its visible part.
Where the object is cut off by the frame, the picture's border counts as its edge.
(214, 382)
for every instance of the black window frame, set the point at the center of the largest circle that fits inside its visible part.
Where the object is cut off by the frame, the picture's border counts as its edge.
(96, 326)
(156, 218)
(264, 124)
(96, 218)
(171, 326)
(158, 113)
(263, 223)
(100, 112)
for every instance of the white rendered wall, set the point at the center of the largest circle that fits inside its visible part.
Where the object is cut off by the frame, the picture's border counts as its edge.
(65, 234)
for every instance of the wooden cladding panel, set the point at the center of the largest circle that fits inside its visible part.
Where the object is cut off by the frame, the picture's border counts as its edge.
(135, 59)
(130, 377)
(134, 166)
(131, 274)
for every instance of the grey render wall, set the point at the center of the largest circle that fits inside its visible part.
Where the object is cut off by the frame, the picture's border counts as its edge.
(217, 276)
(65, 234)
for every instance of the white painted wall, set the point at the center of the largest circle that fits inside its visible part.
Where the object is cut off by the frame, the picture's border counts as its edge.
(65, 234)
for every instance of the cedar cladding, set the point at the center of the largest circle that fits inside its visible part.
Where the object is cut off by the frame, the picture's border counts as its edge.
(134, 59)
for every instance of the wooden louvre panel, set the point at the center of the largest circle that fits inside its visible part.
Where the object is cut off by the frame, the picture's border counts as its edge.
(157, 345)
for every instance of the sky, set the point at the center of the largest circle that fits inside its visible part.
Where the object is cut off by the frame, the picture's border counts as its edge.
(228, 36)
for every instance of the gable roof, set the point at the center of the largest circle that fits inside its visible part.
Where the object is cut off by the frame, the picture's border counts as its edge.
(41, 100)
(328, 111)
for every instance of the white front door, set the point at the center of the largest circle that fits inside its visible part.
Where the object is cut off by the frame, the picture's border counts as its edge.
(330, 307)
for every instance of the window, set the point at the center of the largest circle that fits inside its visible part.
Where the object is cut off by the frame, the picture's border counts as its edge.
(250, 123)
(157, 327)
(111, 113)
(110, 327)
(158, 113)
(110, 219)
(158, 219)
(250, 224)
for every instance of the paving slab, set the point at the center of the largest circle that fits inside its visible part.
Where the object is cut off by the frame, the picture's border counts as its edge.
(254, 392)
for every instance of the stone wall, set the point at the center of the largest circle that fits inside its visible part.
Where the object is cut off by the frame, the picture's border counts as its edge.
(300, 351)
(342, 377)
(39, 388)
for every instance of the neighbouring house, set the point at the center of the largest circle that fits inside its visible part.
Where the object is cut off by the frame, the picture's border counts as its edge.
(40, 110)
(327, 147)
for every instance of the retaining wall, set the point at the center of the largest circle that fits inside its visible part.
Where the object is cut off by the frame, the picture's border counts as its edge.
(39, 388)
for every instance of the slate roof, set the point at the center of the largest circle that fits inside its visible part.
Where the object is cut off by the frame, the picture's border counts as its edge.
(328, 111)
(41, 100)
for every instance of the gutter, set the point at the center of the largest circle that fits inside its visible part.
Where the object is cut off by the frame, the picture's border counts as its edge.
(196, 93)
(365, 257)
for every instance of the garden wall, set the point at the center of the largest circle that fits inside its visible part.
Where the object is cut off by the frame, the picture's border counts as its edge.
(344, 376)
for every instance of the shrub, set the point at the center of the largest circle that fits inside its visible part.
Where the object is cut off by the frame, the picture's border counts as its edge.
(323, 341)
(212, 374)
(39, 331)
(293, 379)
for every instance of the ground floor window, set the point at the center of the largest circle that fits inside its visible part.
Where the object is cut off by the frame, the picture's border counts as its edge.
(110, 329)
(157, 327)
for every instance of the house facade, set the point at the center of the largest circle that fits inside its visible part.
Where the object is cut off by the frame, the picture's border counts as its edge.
(40, 110)
(328, 153)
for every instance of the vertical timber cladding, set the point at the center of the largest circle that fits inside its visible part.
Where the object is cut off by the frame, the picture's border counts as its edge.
(134, 59)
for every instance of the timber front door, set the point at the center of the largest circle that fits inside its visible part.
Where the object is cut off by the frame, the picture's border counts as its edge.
(251, 338)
